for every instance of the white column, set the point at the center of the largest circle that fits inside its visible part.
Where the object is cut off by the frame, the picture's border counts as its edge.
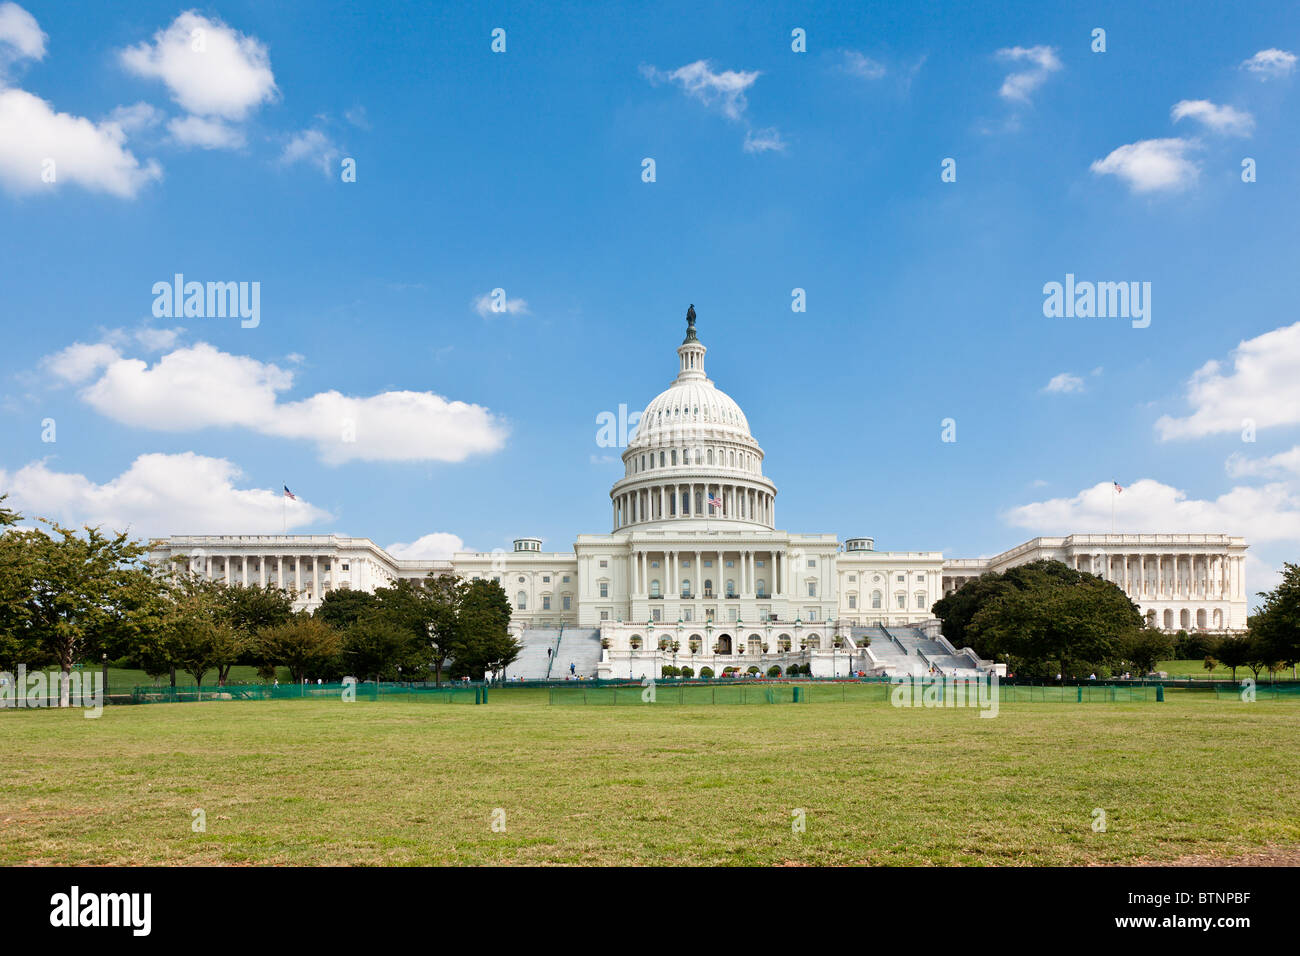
(261, 571)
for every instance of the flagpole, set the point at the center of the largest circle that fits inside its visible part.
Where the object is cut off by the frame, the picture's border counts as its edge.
(284, 509)
(1112, 506)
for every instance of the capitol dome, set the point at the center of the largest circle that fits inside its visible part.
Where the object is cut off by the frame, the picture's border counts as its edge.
(692, 457)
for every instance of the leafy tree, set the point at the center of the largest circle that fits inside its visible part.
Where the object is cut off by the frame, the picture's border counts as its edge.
(1055, 614)
(343, 607)
(958, 610)
(248, 610)
(87, 593)
(376, 645)
(1232, 651)
(1276, 622)
(1210, 664)
(197, 634)
(1146, 647)
(483, 640)
(303, 644)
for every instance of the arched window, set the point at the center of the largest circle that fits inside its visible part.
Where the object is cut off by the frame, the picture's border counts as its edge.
(762, 588)
(1184, 618)
(876, 597)
(710, 456)
(708, 587)
(654, 588)
(686, 587)
(521, 601)
(1169, 620)
(783, 642)
(731, 588)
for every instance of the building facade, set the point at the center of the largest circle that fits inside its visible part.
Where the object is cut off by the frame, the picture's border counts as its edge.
(694, 557)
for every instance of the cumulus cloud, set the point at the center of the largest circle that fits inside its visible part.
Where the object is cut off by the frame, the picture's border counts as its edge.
(763, 140)
(1042, 62)
(21, 37)
(1064, 383)
(1218, 119)
(1270, 63)
(209, 68)
(205, 133)
(1262, 388)
(723, 90)
(856, 64)
(436, 546)
(202, 387)
(1265, 514)
(1283, 464)
(91, 155)
(311, 146)
(158, 495)
(1151, 165)
(484, 305)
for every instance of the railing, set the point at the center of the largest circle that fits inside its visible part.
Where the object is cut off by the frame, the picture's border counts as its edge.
(555, 652)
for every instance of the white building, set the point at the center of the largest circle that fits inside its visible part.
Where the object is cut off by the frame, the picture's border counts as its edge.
(695, 558)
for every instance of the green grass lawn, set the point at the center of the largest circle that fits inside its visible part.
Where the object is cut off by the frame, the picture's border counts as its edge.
(397, 782)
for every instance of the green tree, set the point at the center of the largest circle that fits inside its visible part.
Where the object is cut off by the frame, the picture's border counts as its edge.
(248, 610)
(1146, 647)
(1053, 614)
(1276, 622)
(482, 637)
(197, 634)
(88, 593)
(1233, 651)
(303, 644)
(343, 607)
(376, 645)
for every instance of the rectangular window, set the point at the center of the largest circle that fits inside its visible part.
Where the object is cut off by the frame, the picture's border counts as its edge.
(546, 604)
(920, 601)
(546, 579)
(345, 567)
(902, 602)
(812, 589)
(604, 615)
(604, 589)
(853, 601)
(735, 614)
(604, 563)
(565, 579)
(568, 603)
(686, 614)
(656, 613)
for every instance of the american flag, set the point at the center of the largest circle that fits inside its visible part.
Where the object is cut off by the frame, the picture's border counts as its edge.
(715, 501)
(289, 494)
(1118, 489)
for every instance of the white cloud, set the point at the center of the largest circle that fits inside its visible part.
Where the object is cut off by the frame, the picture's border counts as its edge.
(205, 133)
(437, 546)
(1219, 119)
(210, 68)
(763, 140)
(158, 495)
(1150, 165)
(724, 90)
(136, 117)
(1043, 62)
(202, 387)
(20, 32)
(1064, 383)
(1262, 387)
(857, 64)
(313, 146)
(1283, 464)
(158, 340)
(1270, 63)
(79, 361)
(90, 155)
(1265, 514)
(483, 306)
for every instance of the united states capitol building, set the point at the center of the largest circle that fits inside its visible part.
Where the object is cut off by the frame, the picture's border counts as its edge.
(694, 571)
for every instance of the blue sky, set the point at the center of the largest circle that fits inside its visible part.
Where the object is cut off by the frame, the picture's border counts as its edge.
(775, 170)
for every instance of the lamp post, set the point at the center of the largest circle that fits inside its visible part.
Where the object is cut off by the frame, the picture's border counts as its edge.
(106, 675)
